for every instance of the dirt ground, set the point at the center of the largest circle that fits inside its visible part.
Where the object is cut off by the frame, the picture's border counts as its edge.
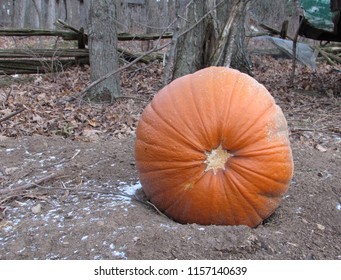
(94, 209)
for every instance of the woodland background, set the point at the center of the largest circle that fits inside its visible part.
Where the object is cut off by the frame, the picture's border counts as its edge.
(133, 16)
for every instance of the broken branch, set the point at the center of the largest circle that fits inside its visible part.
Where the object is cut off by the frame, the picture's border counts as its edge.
(12, 115)
(26, 186)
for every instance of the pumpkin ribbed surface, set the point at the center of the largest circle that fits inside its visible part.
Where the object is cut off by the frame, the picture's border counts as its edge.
(212, 148)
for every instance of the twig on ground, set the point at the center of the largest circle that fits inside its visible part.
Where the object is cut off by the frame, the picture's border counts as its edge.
(8, 94)
(298, 130)
(131, 97)
(63, 160)
(7, 198)
(12, 115)
(157, 210)
(76, 153)
(134, 197)
(11, 190)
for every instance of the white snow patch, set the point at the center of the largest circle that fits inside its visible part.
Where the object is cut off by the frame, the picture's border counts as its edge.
(131, 189)
(59, 166)
(52, 256)
(114, 252)
(62, 239)
(21, 251)
(119, 254)
(299, 210)
(85, 237)
(168, 226)
(122, 228)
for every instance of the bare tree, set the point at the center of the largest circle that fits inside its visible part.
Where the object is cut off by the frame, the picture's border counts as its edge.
(150, 10)
(103, 49)
(37, 18)
(49, 14)
(18, 13)
(213, 34)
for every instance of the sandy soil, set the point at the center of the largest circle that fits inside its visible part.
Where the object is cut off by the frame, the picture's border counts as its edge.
(95, 208)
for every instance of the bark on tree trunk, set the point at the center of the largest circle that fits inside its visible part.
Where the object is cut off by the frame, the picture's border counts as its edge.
(50, 14)
(36, 20)
(239, 58)
(189, 52)
(103, 49)
(216, 37)
(19, 8)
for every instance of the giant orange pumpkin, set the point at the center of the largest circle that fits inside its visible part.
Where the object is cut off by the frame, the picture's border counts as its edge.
(212, 148)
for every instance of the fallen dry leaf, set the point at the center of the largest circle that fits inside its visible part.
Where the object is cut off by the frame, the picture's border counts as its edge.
(36, 209)
(320, 227)
(93, 123)
(320, 148)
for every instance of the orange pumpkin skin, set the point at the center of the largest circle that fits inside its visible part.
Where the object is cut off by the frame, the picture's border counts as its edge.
(221, 110)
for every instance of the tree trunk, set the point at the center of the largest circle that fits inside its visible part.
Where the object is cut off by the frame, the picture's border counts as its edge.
(19, 10)
(239, 58)
(50, 14)
(35, 19)
(189, 52)
(213, 34)
(103, 49)
(150, 13)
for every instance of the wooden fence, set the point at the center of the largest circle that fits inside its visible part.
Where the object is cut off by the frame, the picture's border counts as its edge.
(33, 61)
(28, 61)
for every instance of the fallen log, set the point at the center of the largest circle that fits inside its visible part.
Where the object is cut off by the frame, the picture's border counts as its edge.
(52, 60)
(331, 58)
(72, 35)
(36, 61)
(143, 37)
(66, 35)
(120, 36)
(38, 53)
(35, 66)
(128, 56)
